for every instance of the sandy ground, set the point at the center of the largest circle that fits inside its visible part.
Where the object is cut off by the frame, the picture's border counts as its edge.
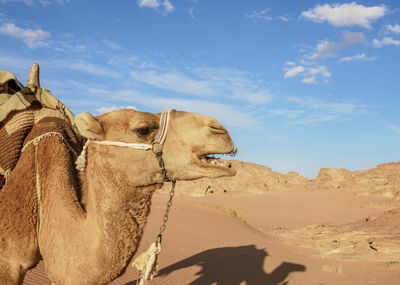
(233, 238)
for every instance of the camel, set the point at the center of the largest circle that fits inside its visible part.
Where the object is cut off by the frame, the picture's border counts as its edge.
(87, 225)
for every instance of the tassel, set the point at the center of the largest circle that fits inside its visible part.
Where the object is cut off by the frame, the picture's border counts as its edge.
(7, 173)
(80, 162)
(146, 263)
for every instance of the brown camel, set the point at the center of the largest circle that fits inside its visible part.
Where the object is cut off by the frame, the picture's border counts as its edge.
(87, 225)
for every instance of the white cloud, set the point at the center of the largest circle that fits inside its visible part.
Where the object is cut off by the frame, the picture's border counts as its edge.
(348, 14)
(329, 49)
(174, 81)
(191, 12)
(27, 2)
(283, 18)
(309, 80)
(328, 107)
(226, 114)
(134, 61)
(89, 68)
(16, 64)
(208, 82)
(321, 69)
(394, 29)
(32, 38)
(386, 41)
(290, 72)
(168, 6)
(315, 111)
(44, 3)
(102, 110)
(357, 57)
(149, 3)
(264, 16)
(156, 4)
(289, 113)
(111, 44)
(260, 15)
(395, 128)
(309, 72)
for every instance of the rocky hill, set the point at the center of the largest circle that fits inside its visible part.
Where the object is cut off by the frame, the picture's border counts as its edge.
(382, 181)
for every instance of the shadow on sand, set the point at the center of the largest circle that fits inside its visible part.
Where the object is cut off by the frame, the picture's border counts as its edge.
(233, 265)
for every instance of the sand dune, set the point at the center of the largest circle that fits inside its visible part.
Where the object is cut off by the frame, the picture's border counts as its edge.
(283, 234)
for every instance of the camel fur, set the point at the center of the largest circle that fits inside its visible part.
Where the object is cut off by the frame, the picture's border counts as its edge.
(87, 225)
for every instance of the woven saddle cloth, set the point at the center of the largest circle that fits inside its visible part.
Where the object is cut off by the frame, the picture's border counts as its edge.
(22, 108)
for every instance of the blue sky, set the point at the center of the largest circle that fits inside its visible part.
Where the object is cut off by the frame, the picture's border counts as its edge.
(301, 85)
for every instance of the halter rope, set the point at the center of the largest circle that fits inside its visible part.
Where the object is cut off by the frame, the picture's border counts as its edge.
(159, 140)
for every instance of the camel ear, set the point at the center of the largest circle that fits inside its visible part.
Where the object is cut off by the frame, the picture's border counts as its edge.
(88, 126)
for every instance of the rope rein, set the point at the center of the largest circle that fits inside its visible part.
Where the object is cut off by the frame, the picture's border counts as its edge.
(38, 196)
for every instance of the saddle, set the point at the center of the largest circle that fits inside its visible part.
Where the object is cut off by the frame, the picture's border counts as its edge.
(19, 111)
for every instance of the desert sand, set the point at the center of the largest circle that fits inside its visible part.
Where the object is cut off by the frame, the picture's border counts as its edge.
(263, 227)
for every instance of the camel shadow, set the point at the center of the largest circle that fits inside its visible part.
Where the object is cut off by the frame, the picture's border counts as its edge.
(232, 266)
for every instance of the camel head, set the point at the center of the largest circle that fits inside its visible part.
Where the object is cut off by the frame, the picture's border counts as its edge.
(190, 142)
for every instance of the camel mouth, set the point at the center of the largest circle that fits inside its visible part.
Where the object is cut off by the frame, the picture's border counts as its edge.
(212, 160)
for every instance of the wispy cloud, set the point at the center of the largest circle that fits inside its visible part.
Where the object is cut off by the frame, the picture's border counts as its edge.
(329, 49)
(316, 111)
(283, 18)
(309, 71)
(174, 81)
(260, 15)
(289, 113)
(225, 113)
(309, 80)
(32, 38)
(385, 42)
(157, 4)
(191, 13)
(207, 82)
(329, 107)
(264, 15)
(345, 15)
(87, 67)
(104, 109)
(393, 28)
(111, 44)
(358, 57)
(44, 3)
(27, 2)
(295, 70)
(395, 128)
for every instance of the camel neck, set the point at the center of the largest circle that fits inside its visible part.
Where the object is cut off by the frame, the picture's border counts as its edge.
(118, 213)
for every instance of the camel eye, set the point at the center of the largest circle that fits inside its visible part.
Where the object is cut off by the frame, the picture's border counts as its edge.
(143, 131)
